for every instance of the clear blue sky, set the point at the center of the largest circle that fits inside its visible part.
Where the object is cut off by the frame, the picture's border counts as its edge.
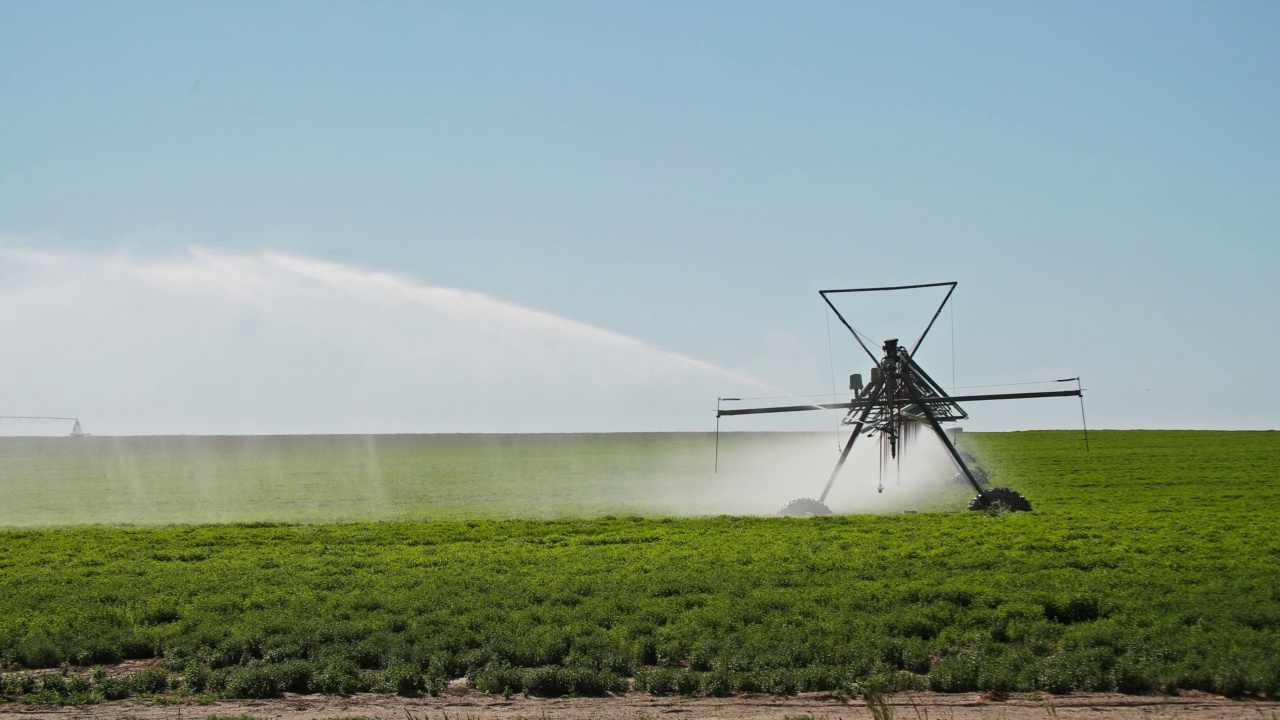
(1102, 178)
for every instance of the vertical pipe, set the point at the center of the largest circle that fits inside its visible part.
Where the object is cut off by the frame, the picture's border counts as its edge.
(1084, 423)
(717, 470)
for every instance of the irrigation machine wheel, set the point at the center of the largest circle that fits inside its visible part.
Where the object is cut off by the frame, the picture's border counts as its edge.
(1011, 500)
(804, 507)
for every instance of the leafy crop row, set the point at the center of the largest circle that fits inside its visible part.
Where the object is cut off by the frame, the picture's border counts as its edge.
(1151, 564)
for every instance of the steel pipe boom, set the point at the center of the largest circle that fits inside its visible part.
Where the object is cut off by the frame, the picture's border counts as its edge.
(880, 403)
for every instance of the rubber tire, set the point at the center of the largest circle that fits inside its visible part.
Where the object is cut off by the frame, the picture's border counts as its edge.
(1010, 498)
(804, 507)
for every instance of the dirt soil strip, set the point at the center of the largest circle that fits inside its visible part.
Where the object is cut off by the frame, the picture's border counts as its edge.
(634, 706)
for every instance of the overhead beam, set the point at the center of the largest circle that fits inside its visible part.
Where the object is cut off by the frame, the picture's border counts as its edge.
(880, 403)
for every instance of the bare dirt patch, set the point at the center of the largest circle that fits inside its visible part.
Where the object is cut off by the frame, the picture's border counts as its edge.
(635, 706)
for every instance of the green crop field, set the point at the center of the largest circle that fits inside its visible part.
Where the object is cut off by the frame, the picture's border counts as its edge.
(543, 565)
(158, 480)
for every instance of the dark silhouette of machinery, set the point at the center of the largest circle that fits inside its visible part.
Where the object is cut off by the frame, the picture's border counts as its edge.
(899, 401)
(76, 430)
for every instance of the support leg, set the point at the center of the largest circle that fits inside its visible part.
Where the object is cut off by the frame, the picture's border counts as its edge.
(844, 454)
(942, 435)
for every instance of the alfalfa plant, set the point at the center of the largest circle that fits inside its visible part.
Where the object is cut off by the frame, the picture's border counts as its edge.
(717, 683)
(251, 682)
(435, 680)
(196, 679)
(338, 677)
(77, 686)
(147, 681)
(23, 683)
(657, 681)
(403, 680)
(53, 684)
(112, 688)
(497, 678)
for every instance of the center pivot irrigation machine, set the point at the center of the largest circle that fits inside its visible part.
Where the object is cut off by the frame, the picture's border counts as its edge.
(898, 400)
(76, 430)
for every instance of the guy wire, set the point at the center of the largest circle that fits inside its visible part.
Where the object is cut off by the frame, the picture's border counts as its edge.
(953, 346)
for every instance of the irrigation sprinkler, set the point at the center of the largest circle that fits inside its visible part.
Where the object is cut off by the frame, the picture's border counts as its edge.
(898, 401)
(76, 430)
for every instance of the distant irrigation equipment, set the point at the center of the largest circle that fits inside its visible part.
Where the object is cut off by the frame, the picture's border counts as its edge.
(76, 430)
(898, 401)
